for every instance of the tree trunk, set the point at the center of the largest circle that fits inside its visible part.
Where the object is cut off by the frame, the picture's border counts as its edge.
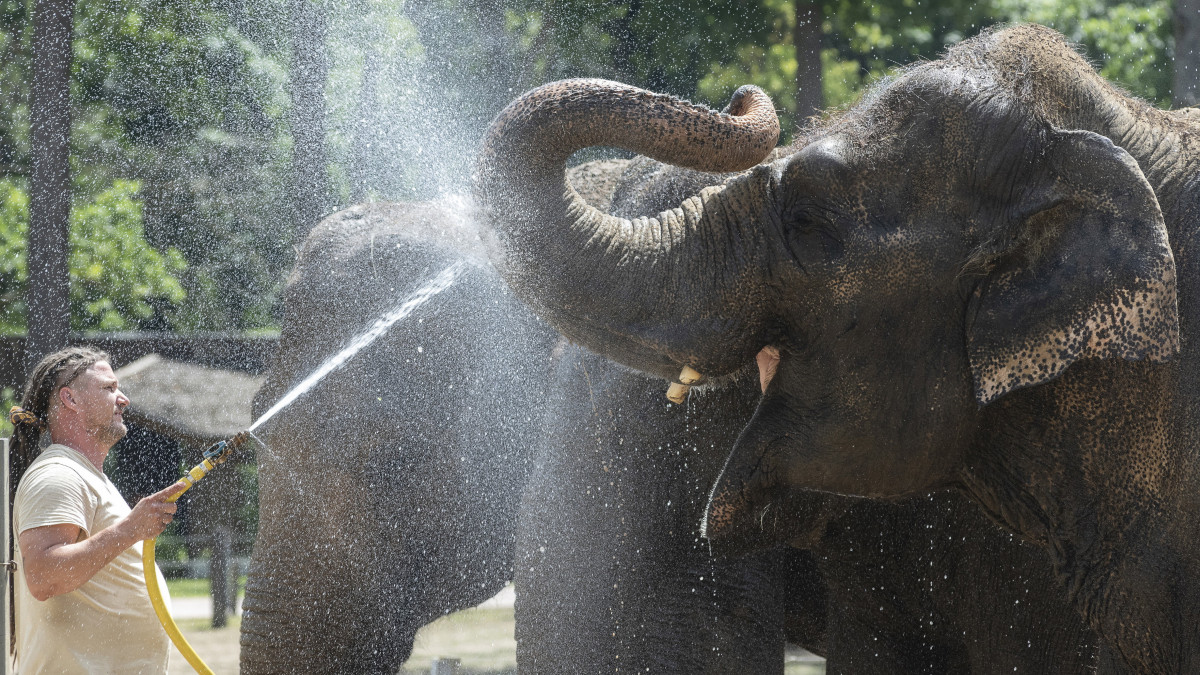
(366, 145)
(309, 70)
(810, 98)
(1187, 53)
(49, 312)
(626, 46)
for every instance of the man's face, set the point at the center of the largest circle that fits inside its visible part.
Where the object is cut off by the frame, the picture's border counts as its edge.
(100, 402)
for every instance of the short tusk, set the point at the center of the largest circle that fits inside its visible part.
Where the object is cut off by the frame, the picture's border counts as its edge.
(689, 376)
(677, 392)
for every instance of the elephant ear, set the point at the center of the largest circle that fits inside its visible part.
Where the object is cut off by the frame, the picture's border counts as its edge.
(1086, 271)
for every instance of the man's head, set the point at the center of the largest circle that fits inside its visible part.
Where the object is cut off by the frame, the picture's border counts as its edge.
(73, 387)
(90, 403)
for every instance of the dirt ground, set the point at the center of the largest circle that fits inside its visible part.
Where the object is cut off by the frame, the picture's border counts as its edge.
(481, 639)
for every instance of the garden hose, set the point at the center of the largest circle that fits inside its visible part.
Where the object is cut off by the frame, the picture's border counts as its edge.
(215, 455)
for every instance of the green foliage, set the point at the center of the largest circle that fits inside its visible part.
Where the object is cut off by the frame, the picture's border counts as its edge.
(115, 274)
(116, 277)
(8, 398)
(189, 98)
(1130, 42)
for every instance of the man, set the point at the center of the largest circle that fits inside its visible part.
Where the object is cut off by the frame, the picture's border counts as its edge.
(80, 596)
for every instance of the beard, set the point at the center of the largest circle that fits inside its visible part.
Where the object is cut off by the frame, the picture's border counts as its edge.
(111, 432)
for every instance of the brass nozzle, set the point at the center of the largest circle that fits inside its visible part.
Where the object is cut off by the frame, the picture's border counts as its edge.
(237, 441)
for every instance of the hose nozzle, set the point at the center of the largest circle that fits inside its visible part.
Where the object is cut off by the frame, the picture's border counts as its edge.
(215, 454)
(221, 450)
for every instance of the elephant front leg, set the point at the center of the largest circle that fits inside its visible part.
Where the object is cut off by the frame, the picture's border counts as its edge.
(611, 574)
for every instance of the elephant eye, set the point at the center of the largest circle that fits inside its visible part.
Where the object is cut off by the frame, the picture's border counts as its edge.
(812, 238)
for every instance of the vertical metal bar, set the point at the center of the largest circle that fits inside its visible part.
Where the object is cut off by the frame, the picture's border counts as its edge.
(219, 577)
(6, 662)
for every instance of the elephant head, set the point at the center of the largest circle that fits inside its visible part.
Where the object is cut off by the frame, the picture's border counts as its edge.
(917, 261)
(913, 260)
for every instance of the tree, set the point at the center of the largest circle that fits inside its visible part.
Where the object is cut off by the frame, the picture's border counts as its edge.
(1187, 53)
(309, 21)
(50, 187)
(117, 280)
(807, 38)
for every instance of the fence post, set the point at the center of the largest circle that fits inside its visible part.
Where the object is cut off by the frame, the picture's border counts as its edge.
(220, 581)
(5, 614)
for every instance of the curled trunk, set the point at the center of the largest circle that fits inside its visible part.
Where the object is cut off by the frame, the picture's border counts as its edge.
(657, 293)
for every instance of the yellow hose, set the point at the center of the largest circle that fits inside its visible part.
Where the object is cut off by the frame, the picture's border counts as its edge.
(149, 570)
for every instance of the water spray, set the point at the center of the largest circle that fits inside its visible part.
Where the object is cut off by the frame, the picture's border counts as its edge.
(218, 452)
(215, 455)
(436, 285)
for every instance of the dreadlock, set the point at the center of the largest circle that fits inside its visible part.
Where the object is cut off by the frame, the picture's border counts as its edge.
(31, 419)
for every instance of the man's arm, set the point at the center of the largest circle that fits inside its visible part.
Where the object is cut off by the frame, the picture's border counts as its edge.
(55, 560)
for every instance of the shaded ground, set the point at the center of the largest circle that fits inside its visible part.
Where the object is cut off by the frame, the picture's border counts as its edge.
(218, 648)
(481, 638)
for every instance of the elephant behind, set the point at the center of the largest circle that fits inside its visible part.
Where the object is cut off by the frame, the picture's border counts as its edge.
(388, 492)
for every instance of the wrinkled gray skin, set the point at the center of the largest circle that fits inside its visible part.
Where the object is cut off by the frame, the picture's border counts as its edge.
(972, 279)
(403, 486)
(387, 494)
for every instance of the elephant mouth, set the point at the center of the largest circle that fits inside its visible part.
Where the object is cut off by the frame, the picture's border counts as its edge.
(734, 518)
(767, 360)
(742, 519)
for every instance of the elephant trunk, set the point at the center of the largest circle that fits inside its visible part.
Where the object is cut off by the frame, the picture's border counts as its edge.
(749, 495)
(656, 293)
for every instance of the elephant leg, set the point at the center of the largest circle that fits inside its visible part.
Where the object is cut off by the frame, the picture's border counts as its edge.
(610, 569)
(303, 595)
(862, 644)
(602, 584)
(806, 616)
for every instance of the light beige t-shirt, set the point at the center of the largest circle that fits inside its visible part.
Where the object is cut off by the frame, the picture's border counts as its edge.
(107, 625)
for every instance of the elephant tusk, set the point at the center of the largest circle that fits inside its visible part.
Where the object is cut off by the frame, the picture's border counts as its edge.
(678, 390)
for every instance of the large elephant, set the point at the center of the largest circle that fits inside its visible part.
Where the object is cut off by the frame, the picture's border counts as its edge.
(981, 277)
(469, 437)
(925, 586)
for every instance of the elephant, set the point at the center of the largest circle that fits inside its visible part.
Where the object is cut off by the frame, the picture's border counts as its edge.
(387, 492)
(471, 445)
(929, 585)
(960, 595)
(979, 278)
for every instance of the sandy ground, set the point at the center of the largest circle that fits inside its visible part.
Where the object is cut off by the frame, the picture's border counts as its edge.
(481, 639)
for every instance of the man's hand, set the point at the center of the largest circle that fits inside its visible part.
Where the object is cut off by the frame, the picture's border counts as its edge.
(152, 514)
(56, 561)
